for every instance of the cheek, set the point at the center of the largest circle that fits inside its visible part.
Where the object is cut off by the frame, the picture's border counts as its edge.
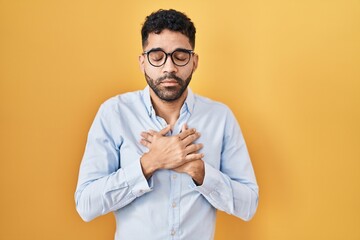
(152, 72)
(186, 72)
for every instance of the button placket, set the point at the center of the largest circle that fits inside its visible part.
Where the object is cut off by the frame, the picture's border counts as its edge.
(174, 204)
(175, 182)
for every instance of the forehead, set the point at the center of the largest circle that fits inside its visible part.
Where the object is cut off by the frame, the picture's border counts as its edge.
(167, 40)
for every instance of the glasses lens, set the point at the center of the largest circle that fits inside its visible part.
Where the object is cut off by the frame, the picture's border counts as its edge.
(180, 57)
(157, 58)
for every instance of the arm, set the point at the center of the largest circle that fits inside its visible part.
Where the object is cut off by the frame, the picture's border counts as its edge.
(169, 152)
(181, 153)
(103, 185)
(233, 187)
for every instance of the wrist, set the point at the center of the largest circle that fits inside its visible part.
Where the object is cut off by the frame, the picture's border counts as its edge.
(199, 174)
(147, 165)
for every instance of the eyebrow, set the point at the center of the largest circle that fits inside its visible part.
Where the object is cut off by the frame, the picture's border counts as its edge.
(160, 49)
(156, 49)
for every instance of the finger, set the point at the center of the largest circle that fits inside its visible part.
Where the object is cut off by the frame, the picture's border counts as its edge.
(186, 133)
(191, 138)
(145, 143)
(193, 148)
(165, 130)
(194, 156)
(184, 127)
(144, 134)
(152, 132)
(147, 136)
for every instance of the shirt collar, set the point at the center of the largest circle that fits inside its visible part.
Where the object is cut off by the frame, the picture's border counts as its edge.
(188, 104)
(147, 100)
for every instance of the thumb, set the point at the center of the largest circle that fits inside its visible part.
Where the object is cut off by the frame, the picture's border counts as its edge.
(165, 130)
(184, 127)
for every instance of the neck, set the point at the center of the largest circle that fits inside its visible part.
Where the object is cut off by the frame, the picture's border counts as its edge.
(169, 111)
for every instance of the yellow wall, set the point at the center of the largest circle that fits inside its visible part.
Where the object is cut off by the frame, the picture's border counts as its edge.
(290, 71)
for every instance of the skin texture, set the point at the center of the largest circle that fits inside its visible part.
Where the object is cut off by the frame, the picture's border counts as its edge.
(167, 92)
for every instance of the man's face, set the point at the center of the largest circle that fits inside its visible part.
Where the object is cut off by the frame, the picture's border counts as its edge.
(168, 81)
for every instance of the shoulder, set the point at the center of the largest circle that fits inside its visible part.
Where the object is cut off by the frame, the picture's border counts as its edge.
(115, 103)
(208, 104)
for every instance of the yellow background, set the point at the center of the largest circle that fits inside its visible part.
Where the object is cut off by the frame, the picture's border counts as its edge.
(289, 70)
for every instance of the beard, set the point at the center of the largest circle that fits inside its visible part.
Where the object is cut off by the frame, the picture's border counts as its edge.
(169, 93)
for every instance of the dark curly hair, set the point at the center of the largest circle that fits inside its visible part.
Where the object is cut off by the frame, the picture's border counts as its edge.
(171, 20)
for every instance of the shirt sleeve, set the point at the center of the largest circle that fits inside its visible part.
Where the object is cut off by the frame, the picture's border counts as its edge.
(103, 185)
(233, 187)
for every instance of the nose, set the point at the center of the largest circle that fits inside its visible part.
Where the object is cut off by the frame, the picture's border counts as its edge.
(169, 66)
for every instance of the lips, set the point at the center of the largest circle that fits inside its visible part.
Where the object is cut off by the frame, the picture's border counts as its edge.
(169, 82)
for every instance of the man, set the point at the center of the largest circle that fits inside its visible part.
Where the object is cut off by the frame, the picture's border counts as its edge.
(164, 159)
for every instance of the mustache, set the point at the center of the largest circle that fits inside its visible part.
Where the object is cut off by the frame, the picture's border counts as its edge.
(170, 75)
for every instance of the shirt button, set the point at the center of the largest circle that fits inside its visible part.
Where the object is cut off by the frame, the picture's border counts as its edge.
(174, 176)
(172, 232)
(174, 205)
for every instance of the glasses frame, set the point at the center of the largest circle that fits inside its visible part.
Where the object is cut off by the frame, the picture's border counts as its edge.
(190, 52)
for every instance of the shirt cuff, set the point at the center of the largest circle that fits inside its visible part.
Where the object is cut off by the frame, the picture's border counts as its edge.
(210, 182)
(136, 179)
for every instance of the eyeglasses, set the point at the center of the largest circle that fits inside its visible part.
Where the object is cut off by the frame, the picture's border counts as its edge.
(157, 57)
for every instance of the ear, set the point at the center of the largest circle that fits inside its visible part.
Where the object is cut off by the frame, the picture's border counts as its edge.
(142, 63)
(195, 61)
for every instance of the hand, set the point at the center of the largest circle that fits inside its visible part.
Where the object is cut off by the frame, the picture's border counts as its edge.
(195, 169)
(169, 152)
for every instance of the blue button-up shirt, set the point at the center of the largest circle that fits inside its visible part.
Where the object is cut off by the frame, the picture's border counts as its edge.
(169, 205)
